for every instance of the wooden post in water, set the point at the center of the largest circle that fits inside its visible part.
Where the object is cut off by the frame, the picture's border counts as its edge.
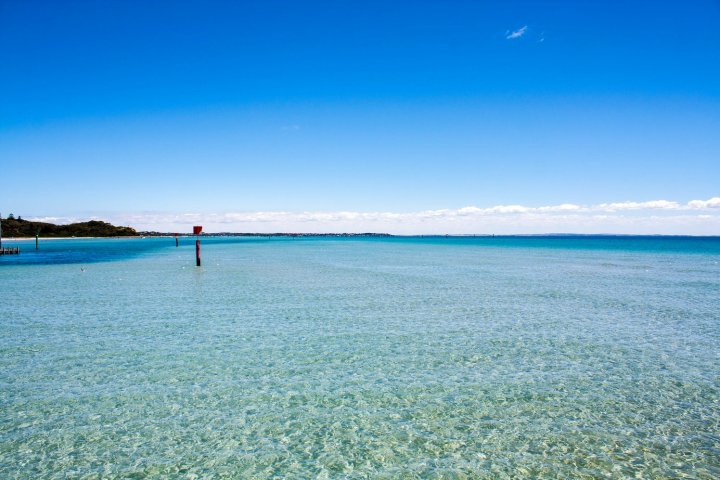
(176, 240)
(0, 230)
(197, 230)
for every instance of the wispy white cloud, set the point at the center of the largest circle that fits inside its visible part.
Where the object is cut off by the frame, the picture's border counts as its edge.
(517, 33)
(63, 220)
(710, 203)
(565, 207)
(655, 216)
(651, 205)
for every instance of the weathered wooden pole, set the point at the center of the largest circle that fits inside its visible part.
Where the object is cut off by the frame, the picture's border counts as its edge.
(176, 240)
(0, 230)
(36, 241)
(197, 230)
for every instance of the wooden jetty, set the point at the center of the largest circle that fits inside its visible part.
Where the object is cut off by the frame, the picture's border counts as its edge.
(9, 250)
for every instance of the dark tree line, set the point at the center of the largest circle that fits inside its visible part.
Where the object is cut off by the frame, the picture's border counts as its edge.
(17, 227)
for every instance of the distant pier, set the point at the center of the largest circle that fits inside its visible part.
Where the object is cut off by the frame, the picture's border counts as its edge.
(9, 250)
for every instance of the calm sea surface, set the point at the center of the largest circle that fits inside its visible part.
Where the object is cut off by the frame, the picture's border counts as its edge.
(473, 358)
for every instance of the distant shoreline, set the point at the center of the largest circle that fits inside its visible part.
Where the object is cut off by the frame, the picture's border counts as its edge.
(23, 239)
(143, 235)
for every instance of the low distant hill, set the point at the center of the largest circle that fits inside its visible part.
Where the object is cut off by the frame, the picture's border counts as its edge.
(14, 227)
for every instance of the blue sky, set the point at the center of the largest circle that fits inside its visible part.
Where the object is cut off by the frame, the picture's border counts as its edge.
(409, 117)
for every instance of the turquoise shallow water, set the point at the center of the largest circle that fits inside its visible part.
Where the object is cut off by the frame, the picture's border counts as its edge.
(362, 358)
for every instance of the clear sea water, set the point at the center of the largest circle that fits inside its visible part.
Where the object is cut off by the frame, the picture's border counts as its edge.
(538, 357)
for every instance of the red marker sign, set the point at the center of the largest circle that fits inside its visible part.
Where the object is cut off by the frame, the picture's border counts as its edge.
(197, 229)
